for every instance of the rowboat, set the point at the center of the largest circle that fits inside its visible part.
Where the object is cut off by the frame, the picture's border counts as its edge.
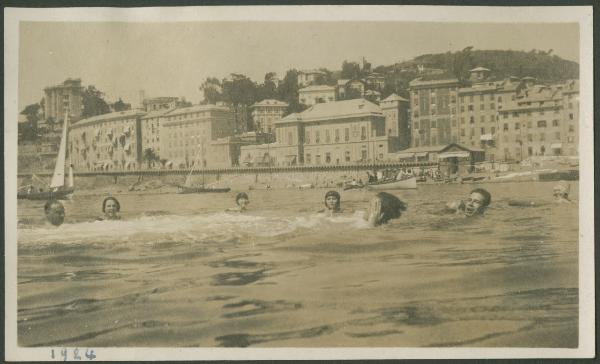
(405, 184)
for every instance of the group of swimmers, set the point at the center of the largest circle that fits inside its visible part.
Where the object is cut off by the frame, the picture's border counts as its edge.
(383, 207)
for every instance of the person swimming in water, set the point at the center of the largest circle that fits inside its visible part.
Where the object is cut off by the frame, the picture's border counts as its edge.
(478, 201)
(241, 200)
(110, 208)
(55, 212)
(332, 203)
(384, 207)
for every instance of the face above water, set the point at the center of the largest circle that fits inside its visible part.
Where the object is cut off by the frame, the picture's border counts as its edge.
(56, 214)
(242, 203)
(110, 209)
(331, 202)
(474, 204)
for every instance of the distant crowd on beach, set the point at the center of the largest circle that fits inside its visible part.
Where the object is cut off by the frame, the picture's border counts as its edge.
(382, 207)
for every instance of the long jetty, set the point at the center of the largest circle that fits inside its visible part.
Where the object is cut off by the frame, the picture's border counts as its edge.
(244, 170)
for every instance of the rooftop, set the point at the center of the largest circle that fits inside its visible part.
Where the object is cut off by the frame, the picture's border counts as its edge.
(317, 88)
(480, 69)
(270, 102)
(195, 108)
(335, 110)
(110, 116)
(394, 97)
(419, 82)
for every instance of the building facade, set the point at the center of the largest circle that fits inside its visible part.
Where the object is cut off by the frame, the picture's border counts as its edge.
(186, 133)
(150, 127)
(395, 109)
(265, 112)
(63, 98)
(434, 116)
(313, 95)
(108, 142)
(309, 77)
(160, 103)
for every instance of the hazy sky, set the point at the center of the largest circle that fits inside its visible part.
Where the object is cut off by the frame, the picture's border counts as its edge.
(172, 59)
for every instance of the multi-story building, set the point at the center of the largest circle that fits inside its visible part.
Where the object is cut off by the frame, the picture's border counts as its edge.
(160, 103)
(433, 106)
(333, 133)
(309, 77)
(264, 113)
(150, 126)
(537, 124)
(185, 134)
(66, 97)
(108, 142)
(395, 110)
(313, 95)
(376, 81)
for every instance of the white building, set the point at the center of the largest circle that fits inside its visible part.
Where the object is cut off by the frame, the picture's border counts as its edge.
(313, 95)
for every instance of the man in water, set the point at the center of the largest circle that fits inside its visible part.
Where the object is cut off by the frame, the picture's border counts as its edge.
(241, 200)
(111, 208)
(55, 212)
(478, 201)
(384, 207)
(332, 203)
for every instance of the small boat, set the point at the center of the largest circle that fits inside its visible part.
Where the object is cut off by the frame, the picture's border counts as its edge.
(405, 184)
(188, 189)
(59, 189)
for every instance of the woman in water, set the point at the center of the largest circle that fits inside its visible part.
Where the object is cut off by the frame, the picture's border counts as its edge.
(241, 200)
(55, 212)
(478, 201)
(332, 203)
(384, 207)
(560, 192)
(111, 208)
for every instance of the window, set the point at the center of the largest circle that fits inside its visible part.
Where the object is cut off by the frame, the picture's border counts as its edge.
(433, 140)
(505, 127)
(557, 135)
(492, 106)
(471, 120)
(504, 115)
(347, 156)
(337, 135)
(570, 139)
(327, 136)
(307, 137)
(327, 158)
(472, 134)
(471, 98)
(482, 130)
(529, 137)
(433, 124)
(571, 129)
(462, 132)
(570, 116)
(481, 106)
(318, 159)
(416, 114)
(462, 108)
(462, 120)
(363, 133)
(542, 112)
(554, 122)
(530, 151)
(417, 125)
(515, 114)
(483, 118)
(541, 123)
(363, 155)
(481, 98)
(517, 126)
(499, 98)
(542, 137)
(470, 107)
(453, 122)
(493, 130)
(347, 134)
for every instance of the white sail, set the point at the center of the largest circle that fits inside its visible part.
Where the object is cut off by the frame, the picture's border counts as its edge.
(58, 178)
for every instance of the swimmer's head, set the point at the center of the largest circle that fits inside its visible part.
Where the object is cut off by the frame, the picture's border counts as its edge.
(241, 199)
(479, 199)
(111, 207)
(384, 207)
(561, 190)
(55, 212)
(332, 201)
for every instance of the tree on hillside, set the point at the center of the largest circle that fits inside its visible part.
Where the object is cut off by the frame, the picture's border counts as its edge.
(461, 64)
(93, 102)
(350, 70)
(212, 90)
(119, 105)
(240, 92)
(326, 78)
(352, 93)
(288, 92)
(29, 130)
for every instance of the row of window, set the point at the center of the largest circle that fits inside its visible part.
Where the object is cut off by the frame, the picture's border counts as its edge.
(328, 160)
(336, 135)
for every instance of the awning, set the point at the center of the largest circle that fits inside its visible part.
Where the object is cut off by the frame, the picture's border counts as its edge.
(556, 146)
(486, 137)
(405, 155)
(457, 154)
(421, 154)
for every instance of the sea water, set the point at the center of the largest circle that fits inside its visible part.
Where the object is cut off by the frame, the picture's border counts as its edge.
(178, 270)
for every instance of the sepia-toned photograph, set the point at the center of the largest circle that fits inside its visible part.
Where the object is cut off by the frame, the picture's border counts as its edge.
(339, 178)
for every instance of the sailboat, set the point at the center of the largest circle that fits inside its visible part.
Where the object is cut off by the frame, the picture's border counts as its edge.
(59, 188)
(188, 188)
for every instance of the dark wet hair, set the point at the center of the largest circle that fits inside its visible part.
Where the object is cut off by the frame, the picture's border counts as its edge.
(49, 204)
(108, 199)
(487, 197)
(240, 196)
(336, 195)
(391, 206)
